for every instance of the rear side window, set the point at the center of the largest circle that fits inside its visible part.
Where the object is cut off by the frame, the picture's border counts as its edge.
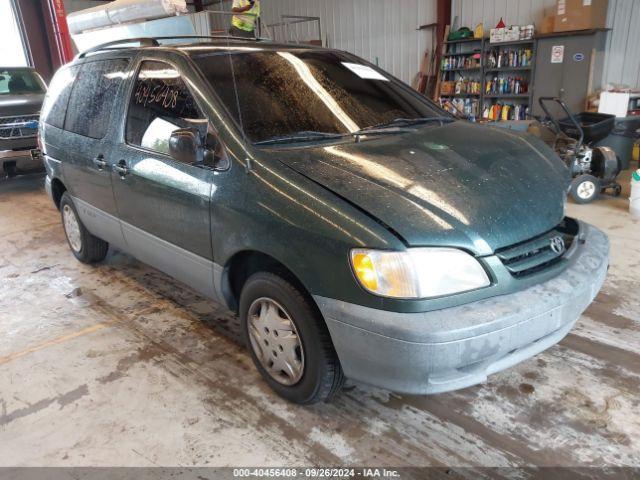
(93, 97)
(54, 108)
(161, 103)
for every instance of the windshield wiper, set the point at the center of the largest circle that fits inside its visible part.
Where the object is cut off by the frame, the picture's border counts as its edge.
(300, 137)
(404, 122)
(399, 125)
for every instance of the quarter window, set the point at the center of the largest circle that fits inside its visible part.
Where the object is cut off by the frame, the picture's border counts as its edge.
(54, 108)
(93, 97)
(160, 104)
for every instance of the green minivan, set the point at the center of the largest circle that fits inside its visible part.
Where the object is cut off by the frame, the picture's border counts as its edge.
(358, 230)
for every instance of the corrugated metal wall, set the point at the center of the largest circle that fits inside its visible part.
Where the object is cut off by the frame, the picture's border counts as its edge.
(384, 31)
(381, 31)
(513, 12)
(622, 61)
(622, 64)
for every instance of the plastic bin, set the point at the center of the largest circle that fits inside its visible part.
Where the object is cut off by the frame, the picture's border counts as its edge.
(622, 138)
(596, 126)
(634, 197)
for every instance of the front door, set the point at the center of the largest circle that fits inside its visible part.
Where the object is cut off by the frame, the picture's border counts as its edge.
(87, 169)
(164, 204)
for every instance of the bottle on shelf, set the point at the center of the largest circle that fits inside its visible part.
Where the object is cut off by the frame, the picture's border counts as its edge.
(469, 107)
(461, 62)
(499, 85)
(510, 58)
(502, 112)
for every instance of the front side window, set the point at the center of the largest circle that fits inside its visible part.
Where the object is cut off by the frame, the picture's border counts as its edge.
(282, 93)
(20, 82)
(93, 96)
(160, 104)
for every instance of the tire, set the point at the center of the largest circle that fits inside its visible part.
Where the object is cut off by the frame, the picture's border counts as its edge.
(616, 190)
(11, 171)
(84, 246)
(315, 374)
(585, 189)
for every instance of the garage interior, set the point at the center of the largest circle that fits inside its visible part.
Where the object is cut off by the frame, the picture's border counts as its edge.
(119, 365)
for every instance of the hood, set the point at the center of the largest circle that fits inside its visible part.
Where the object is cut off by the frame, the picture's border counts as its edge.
(12, 105)
(469, 186)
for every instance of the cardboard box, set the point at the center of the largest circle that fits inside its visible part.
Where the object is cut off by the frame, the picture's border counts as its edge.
(547, 25)
(447, 88)
(512, 34)
(580, 15)
(496, 35)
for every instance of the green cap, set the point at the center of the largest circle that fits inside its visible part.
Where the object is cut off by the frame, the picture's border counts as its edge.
(636, 175)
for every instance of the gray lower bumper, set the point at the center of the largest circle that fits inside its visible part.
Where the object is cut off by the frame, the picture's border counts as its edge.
(458, 347)
(23, 160)
(47, 186)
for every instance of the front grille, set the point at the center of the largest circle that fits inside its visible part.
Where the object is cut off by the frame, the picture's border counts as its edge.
(22, 126)
(537, 254)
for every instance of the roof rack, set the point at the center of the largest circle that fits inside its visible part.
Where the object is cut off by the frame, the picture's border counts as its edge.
(154, 42)
(142, 42)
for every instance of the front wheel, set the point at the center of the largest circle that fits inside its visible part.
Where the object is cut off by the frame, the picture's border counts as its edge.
(288, 340)
(585, 189)
(616, 190)
(84, 246)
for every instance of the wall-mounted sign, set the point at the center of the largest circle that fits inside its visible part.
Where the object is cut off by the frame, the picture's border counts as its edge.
(557, 54)
(578, 57)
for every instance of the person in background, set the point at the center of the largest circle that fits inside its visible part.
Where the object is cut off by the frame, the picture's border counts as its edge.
(243, 24)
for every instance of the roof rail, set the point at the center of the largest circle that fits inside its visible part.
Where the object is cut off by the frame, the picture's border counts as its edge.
(142, 42)
(153, 41)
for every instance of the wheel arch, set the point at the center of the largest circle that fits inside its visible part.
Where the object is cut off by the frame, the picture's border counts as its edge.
(241, 265)
(57, 190)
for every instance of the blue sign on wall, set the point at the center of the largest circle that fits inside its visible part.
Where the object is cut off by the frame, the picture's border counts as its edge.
(578, 57)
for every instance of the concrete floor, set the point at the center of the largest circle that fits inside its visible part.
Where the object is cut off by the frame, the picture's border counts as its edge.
(118, 365)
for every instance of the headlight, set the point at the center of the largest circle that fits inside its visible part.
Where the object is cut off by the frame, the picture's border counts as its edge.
(417, 272)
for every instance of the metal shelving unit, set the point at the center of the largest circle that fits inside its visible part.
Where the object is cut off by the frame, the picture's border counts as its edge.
(507, 69)
(483, 73)
(473, 69)
(507, 95)
(527, 72)
(454, 49)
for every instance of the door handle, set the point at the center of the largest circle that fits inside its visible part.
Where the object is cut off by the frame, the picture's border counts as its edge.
(100, 162)
(121, 168)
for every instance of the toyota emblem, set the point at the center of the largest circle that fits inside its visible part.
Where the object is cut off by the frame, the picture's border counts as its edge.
(557, 245)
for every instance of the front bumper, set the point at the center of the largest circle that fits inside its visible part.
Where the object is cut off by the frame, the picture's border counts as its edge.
(457, 347)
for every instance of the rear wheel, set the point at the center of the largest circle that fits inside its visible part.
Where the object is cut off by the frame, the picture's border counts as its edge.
(288, 340)
(84, 246)
(585, 189)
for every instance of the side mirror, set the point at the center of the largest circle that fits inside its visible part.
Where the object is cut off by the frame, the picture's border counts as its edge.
(185, 146)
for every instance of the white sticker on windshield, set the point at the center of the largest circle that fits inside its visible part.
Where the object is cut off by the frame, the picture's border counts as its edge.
(365, 72)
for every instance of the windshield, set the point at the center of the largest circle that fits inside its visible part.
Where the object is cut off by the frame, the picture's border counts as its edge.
(283, 93)
(20, 82)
